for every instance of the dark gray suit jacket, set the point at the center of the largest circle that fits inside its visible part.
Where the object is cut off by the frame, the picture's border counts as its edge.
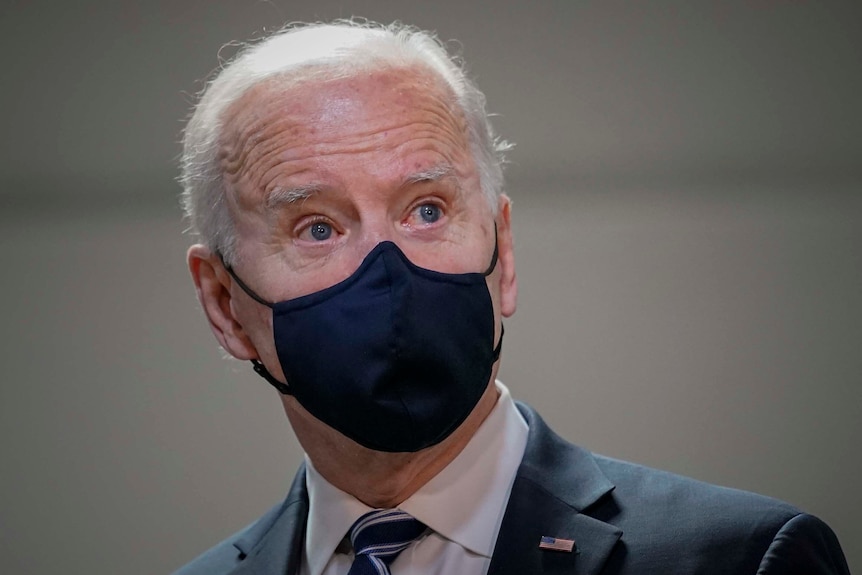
(625, 519)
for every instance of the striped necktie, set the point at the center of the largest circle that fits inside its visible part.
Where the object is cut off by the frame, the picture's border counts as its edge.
(378, 537)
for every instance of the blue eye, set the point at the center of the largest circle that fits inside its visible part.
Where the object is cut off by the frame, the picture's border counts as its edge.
(430, 213)
(320, 231)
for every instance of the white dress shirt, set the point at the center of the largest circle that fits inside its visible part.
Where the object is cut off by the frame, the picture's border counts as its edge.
(463, 506)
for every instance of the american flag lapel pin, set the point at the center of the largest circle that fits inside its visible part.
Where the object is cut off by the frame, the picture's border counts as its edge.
(557, 544)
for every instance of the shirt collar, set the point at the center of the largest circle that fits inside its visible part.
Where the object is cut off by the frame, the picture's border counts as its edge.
(331, 512)
(464, 503)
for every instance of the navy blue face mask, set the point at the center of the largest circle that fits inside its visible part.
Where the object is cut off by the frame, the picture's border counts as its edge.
(395, 357)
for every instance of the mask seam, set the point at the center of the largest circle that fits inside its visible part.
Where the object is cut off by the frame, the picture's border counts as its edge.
(397, 332)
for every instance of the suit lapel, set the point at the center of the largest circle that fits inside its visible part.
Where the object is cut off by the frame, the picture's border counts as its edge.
(275, 547)
(555, 483)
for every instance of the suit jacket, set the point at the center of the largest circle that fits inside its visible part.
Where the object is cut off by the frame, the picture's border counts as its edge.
(625, 519)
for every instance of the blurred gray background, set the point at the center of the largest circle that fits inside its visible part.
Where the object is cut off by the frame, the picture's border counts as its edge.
(688, 195)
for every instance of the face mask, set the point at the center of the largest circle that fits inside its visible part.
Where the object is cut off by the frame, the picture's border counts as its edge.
(395, 357)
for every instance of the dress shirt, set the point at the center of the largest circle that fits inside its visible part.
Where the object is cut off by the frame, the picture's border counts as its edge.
(463, 506)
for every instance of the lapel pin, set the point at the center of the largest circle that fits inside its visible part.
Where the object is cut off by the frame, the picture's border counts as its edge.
(556, 544)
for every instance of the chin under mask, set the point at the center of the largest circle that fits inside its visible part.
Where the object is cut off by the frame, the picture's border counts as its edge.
(395, 357)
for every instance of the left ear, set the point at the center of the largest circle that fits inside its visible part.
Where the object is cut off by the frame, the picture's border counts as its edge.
(506, 254)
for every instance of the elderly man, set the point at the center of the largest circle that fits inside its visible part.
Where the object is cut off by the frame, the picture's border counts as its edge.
(357, 250)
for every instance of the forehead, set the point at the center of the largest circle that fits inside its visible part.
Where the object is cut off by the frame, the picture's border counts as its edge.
(277, 129)
(307, 91)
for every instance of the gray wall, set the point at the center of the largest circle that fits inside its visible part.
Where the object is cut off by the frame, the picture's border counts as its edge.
(688, 195)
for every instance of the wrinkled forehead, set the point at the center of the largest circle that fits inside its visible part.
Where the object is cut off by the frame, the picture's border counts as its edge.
(282, 131)
(314, 99)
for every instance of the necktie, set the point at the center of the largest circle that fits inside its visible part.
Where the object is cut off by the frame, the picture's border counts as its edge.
(378, 537)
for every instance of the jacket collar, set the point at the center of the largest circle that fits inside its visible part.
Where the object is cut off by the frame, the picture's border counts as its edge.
(554, 488)
(274, 543)
(566, 470)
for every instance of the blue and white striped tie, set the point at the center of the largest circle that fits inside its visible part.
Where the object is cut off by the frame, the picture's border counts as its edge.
(378, 537)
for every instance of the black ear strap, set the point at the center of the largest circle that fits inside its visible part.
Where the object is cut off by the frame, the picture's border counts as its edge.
(486, 274)
(251, 293)
(499, 343)
(494, 256)
(261, 370)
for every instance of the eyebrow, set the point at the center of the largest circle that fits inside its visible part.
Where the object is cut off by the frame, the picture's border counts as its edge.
(280, 196)
(432, 174)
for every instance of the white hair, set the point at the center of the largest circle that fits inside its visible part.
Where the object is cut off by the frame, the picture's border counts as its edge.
(319, 51)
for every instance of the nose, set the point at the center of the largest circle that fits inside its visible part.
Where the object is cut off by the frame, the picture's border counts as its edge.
(372, 231)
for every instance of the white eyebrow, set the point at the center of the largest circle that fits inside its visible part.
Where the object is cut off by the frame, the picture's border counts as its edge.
(280, 196)
(431, 174)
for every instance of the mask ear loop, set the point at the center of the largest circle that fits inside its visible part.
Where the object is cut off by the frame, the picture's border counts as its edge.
(257, 365)
(486, 273)
(494, 256)
(261, 370)
(250, 292)
(499, 343)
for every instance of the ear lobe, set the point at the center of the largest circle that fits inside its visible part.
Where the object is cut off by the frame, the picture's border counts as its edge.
(505, 243)
(213, 283)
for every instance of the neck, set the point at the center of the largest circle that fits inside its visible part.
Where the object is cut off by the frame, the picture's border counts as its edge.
(376, 478)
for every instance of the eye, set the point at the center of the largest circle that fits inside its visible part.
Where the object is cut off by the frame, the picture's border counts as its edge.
(320, 231)
(429, 213)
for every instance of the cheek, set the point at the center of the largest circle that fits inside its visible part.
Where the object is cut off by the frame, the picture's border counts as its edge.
(249, 312)
(256, 322)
